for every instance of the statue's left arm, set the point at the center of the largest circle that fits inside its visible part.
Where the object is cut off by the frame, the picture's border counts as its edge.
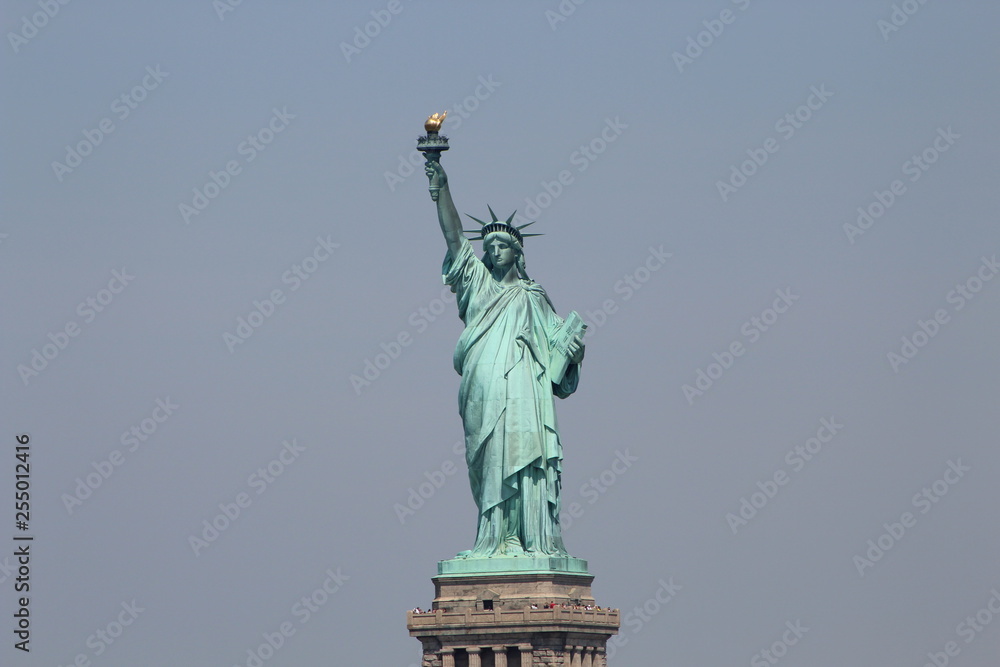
(576, 349)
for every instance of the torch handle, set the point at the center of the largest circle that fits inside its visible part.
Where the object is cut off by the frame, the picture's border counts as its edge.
(435, 179)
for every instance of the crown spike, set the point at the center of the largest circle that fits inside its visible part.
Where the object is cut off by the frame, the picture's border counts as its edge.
(498, 225)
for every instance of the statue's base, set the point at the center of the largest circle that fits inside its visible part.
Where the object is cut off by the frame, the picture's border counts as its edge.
(511, 564)
(520, 615)
(511, 589)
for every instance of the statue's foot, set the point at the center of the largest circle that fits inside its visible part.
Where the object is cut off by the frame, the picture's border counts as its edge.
(512, 547)
(463, 554)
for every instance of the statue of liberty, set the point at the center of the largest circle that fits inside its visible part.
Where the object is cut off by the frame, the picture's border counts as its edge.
(515, 356)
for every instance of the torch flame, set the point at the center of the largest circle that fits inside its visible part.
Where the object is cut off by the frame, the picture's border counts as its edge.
(433, 122)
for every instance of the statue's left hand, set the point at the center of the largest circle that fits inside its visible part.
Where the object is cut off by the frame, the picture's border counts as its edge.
(576, 350)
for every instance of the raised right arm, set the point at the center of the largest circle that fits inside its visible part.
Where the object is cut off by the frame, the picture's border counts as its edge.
(451, 224)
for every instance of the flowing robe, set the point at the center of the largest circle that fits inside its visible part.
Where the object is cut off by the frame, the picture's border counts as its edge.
(512, 444)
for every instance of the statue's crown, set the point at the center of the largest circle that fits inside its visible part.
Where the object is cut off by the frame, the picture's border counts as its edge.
(496, 225)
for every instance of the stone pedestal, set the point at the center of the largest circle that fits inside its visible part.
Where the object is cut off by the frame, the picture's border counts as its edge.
(503, 615)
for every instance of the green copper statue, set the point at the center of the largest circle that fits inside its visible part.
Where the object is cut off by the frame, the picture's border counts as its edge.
(515, 356)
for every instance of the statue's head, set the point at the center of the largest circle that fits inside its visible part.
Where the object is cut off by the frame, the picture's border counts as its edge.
(503, 243)
(503, 250)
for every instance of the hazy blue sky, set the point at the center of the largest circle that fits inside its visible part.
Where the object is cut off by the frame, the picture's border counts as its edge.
(697, 170)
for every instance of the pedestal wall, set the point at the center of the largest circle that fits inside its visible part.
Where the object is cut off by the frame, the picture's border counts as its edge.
(520, 619)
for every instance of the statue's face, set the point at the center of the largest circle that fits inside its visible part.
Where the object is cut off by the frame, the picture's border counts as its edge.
(502, 253)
